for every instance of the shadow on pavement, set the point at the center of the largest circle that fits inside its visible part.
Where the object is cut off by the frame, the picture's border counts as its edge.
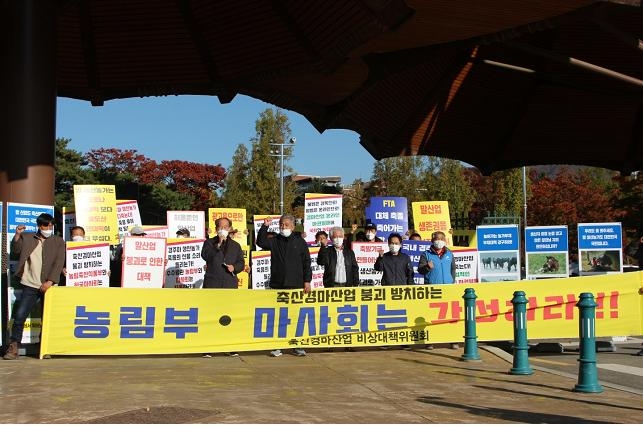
(511, 415)
(535, 394)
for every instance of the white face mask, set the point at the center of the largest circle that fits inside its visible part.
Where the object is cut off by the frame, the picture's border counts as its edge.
(395, 248)
(337, 242)
(370, 235)
(46, 232)
(77, 238)
(286, 232)
(439, 244)
(222, 233)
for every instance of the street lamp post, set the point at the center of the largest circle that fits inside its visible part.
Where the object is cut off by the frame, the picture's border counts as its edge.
(280, 154)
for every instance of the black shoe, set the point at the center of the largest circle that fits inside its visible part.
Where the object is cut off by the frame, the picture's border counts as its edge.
(640, 353)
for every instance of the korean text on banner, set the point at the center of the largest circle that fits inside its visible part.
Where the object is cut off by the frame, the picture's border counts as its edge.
(143, 262)
(128, 215)
(389, 214)
(194, 221)
(238, 218)
(432, 216)
(87, 264)
(321, 212)
(185, 267)
(95, 206)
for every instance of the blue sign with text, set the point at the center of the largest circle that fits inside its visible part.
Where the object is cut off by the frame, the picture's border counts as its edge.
(498, 237)
(389, 214)
(597, 236)
(545, 239)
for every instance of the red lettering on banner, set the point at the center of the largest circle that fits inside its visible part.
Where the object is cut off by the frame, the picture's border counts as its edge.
(556, 307)
(443, 311)
(600, 305)
(532, 304)
(568, 301)
(493, 308)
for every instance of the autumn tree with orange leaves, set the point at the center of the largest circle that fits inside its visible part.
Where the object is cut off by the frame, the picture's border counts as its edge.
(168, 185)
(569, 198)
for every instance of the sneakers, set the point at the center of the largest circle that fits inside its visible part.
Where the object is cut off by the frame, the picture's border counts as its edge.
(429, 347)
(12, 352)
(232, 354)
(207, 355)
(299, 352)
(276, 353)
(455, 346)
(640, 353)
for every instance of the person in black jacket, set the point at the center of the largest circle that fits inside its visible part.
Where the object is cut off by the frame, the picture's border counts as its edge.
(289, 255)
(223, 258)
(339, 262)
(395, 265)
(289, 261)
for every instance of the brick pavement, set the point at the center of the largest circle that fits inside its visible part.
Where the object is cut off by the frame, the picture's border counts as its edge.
(371, 385)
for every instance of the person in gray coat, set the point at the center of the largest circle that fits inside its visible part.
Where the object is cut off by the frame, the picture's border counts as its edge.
(42, 259)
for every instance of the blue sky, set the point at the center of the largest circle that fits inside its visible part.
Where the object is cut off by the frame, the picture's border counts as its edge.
(200, 129)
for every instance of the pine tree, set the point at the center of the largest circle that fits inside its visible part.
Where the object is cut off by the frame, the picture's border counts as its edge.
(237, 191)
(272, 128)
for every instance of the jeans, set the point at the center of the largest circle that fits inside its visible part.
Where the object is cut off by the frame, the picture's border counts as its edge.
(29, 298)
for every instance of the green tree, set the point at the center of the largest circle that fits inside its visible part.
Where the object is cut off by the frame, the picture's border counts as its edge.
(354, 204)
(237, 189)
(71, 169)
(272, 127)
(507, 192)
(454, 186)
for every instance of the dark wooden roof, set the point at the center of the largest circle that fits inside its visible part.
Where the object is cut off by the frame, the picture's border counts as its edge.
(497, 84)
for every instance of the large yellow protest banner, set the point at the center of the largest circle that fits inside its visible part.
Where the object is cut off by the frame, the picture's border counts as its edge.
(120, 321)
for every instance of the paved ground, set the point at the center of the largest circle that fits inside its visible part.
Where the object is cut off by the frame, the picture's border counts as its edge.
(368, 386)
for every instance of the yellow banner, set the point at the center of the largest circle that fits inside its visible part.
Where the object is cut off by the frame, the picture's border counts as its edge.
(431, 216)
(120, 321)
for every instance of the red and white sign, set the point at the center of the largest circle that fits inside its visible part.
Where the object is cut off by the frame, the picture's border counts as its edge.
(143, 262)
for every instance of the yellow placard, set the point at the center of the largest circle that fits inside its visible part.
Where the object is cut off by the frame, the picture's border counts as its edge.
(95, 206)
(431, 216)
(112, 321)
(238, 218)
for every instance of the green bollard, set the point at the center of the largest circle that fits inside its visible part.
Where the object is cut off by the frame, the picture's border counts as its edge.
(520, 346)
(587, 372)
(470, 338)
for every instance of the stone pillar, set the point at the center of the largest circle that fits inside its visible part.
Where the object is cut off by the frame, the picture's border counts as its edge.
(28, 104)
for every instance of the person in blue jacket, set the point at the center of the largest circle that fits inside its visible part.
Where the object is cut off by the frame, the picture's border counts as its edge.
(437, 264)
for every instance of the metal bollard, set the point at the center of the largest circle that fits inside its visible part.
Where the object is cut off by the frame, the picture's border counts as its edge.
(587, 372)
(520, 346)
(470, 338)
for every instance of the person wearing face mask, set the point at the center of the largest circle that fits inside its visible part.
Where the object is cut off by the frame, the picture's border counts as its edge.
(223, 257)
(41, 262)
(395, 266)
(339, 262)
(371, 233)
(289, 261)
(437, 264)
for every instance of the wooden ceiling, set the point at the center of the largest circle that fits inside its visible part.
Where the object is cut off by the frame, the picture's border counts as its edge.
(497, 84)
